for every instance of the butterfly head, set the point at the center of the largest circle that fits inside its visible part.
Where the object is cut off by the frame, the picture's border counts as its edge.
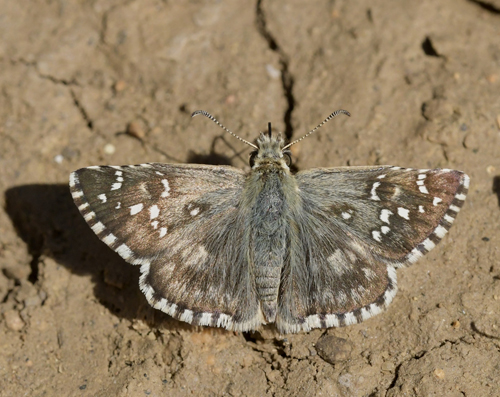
(270, 152)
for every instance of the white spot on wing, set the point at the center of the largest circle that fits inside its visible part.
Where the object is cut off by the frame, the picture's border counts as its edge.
(466, 181)
(460, 196)
(332, 320)
(341, 297)
(187, 316)
(385, 229)
(403, 213)
(369, 273)
(103, 198)
(365, 314)
(381, 176)
(375, 309)
(414, 255)
(339, 262)
(440, 231)
(165, 193)
(428, 244)
(423, 189)
(205, 319)
(154, 224)
(448, 218)
(118, 206)
(195, 212)
(124, 251)
(73, 179)
(384, 215)
(376, 235)
(346, 215)
(163, 232)
(421, 209)
(135, 209)
(314, 321)
(116, 186)
(350, 318)
(436, 201)
(109, 239)
(89, 216)
(373, 192)
(154, 211)
(98, 228)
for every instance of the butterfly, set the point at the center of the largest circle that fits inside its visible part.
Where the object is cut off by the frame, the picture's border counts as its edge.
(221, 247)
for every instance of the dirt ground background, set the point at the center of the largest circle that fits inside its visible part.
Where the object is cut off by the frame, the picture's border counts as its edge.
(114, 82)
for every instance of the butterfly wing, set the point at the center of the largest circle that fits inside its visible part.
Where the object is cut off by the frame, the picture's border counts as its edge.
(355, 226)
(182, 225)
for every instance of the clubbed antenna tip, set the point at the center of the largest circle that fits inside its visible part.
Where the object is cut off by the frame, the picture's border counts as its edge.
(334, 114)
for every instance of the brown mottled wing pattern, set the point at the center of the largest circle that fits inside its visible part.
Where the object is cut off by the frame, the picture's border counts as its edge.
(172, 220)
(354, 227)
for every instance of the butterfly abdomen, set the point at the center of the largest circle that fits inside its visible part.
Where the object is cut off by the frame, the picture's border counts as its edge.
(268, 241)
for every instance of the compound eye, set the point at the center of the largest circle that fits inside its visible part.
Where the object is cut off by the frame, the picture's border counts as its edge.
(252, 158)
(287, 156)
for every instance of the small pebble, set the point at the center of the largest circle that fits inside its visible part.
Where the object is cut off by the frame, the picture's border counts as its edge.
(230, 99)
(32, 301)
(17, 272)
(388, 366)
(120, 85)
(439, 373)
(273, 72)
(13, 320)
(333, 349)
(455, 324)
(492, 78)
(136, 130)
(109, 148)
(59, 158)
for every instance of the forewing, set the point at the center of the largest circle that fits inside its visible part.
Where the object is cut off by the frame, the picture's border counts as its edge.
(354, 226)
(183, 226)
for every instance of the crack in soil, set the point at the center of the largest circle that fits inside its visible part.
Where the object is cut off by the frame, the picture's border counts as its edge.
(287, 79)
(83, 112)
(486, 6)
(68, 83)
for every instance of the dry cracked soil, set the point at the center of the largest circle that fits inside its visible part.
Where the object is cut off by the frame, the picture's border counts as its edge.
(114, 82)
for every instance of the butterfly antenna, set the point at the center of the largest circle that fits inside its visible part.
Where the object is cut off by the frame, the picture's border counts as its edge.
(206, 114)
(333, 115)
